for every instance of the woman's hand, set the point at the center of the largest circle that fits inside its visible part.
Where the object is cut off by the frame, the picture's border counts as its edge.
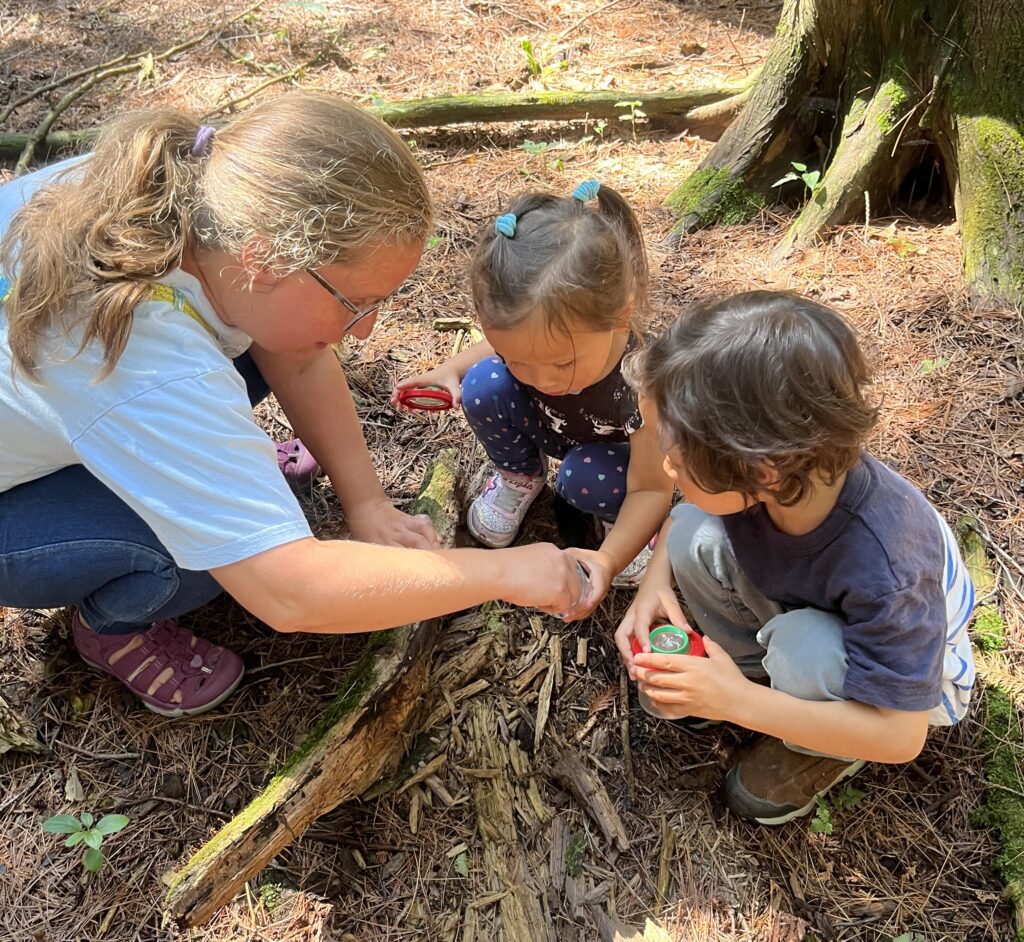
(446, 376)
(382, 523)
(655, 601)
(541, 576)
(599, 579)
(709, 687)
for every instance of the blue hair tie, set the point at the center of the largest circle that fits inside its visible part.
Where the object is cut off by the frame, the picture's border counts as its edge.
(586, 191)
(506, 225)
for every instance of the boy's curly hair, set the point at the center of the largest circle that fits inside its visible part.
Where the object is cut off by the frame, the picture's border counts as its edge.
(764, 378)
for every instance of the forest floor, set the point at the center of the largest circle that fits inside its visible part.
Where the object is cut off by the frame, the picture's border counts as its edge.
(903, 860)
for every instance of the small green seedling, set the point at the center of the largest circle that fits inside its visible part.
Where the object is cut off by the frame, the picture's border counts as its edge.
(821, 823)
(599, 127)
(843, 800)
(910, 937)
(930, 366)
(636, 113)
(434, 241)
(83, 831)
(811, 178)
(539, 58)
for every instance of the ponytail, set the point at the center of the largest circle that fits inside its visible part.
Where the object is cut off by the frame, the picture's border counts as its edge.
(90, 243)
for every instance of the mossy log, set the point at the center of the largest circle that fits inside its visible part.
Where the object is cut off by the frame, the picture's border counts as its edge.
(887, 102)
(361, 737)
(709, 107)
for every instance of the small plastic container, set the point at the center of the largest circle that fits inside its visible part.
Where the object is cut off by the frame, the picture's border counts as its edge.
(668, 639)
(425, 398)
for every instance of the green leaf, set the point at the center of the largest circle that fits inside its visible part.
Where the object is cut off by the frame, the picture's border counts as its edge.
(62, 824)
(93, 859)
(822, 821)
(800, 167)
(847, 798)
(811, 179)
(87, 819)
(628, 104)
(112, 823)
(75, 838)
(92, 839)
(534, 148)
(461, 865)
(910, 937)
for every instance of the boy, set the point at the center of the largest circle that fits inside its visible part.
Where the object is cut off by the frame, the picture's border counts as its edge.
(832, 596)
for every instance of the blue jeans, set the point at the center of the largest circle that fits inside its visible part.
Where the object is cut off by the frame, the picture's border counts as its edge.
(67, 539)
(508, 423)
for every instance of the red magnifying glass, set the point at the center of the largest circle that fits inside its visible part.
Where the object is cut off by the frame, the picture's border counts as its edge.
(425, 398)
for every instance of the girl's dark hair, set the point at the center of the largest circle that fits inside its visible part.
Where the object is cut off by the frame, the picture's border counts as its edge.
(761, 378)
(579, 264)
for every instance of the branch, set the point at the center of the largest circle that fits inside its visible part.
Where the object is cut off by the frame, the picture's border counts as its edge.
(700, 104)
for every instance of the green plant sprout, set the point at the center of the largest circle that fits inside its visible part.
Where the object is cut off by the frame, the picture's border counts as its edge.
(823, 821)
(539, 58)
(811, 178)
(930, 366)
(83, 831)
(636, 114)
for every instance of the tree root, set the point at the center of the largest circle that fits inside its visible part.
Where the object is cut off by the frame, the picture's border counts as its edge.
(868, 160)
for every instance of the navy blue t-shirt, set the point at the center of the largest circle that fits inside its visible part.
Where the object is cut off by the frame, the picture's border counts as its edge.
(877, 562)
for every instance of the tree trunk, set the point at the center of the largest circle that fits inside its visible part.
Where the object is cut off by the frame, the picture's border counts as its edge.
(865, 92)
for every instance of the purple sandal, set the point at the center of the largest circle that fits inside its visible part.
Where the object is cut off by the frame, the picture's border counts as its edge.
(297, 465)
(168, 668)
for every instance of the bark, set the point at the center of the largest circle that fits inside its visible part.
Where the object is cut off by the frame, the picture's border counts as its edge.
(362, 737)
(863, 91)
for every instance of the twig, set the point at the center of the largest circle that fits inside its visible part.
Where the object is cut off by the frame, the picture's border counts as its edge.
(284, 76)
(57, 83)
(575, 26)
(101, 75)
(109, 756)
(627, 750)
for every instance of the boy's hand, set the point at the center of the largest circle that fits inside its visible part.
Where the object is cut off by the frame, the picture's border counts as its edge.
(444, 376)
(681, 685)
(655, 601)
(599, 580)
(382, 523)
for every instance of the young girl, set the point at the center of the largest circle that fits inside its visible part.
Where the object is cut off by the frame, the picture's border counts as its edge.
(557, 282)
(152, 291)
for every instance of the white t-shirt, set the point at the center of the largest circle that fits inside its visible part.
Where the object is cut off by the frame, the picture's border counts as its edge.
(170, 430)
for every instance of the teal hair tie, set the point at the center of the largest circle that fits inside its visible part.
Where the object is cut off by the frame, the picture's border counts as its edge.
(586, 191)
(506, 225)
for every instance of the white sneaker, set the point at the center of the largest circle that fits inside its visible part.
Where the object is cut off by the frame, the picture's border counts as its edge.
(634, 572)
(495, 516)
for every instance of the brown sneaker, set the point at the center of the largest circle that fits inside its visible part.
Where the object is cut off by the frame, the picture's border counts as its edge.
(772, 784)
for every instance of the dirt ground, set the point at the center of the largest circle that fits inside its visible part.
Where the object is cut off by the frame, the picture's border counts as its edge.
(902, 863)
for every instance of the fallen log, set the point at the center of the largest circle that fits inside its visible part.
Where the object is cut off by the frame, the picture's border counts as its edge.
(361, 738)
(709, 107)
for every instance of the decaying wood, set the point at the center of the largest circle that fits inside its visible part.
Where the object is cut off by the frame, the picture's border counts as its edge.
(17, 734)
(523, 914)
(466, 109)
(362, 736)
(570, 771)
(668, 846)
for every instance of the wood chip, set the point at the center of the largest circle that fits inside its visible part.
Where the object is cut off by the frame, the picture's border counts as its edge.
(425, 772)
(581, 652)
(570, 771)
(543, 707)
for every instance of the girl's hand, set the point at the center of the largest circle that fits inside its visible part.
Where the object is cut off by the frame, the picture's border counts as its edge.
(600, 575)
(680, 685)
(655, 601)
(444, 376)
(540, 575)
(382, 523)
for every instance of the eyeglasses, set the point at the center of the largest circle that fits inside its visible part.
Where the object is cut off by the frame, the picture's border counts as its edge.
(358, 314)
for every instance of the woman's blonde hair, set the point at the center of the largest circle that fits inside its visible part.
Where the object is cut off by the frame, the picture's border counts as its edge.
(302, 181)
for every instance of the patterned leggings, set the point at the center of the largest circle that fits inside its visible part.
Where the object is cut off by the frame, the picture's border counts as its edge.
(508, 423)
